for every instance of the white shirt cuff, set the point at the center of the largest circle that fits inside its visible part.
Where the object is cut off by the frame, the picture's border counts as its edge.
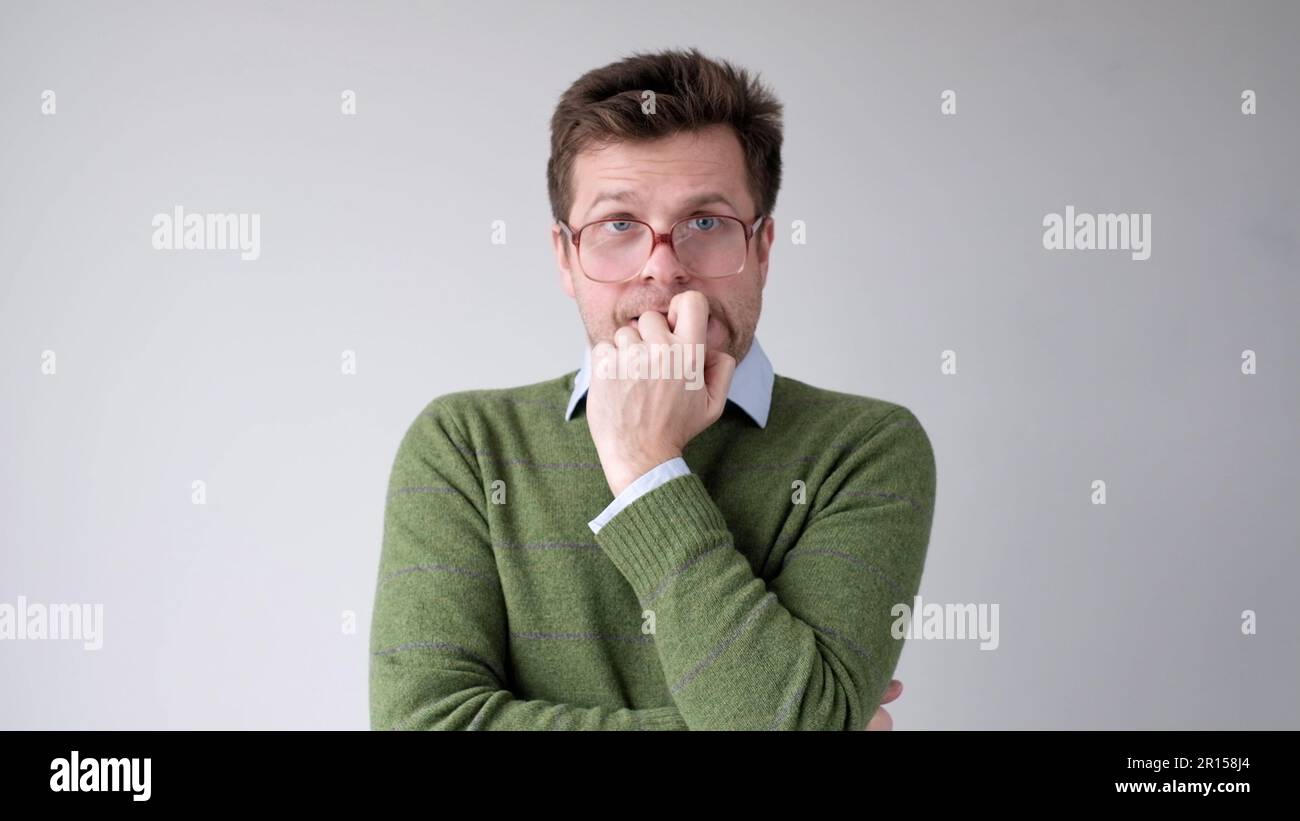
(647, 482)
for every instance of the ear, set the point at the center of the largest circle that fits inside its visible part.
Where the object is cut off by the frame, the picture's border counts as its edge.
(767, 234)
(561, 246)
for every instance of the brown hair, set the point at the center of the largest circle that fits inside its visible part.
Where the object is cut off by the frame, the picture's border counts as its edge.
(691, 92)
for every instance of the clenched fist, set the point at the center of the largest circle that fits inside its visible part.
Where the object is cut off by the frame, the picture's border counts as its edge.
(655, 389)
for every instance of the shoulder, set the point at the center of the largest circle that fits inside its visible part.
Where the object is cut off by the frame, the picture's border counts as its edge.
(469, 404)
(866, 434)
(458, 429)
(467, 414)
(799, 404)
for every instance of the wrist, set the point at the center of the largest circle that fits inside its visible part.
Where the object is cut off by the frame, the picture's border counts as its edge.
(623, 471)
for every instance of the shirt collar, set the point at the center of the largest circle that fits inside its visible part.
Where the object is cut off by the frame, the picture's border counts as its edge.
(751, 385)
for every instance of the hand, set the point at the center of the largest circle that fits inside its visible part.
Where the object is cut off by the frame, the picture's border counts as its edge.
(637, 421)
(882, 720)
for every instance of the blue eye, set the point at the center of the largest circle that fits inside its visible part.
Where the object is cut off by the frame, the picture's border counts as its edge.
(706, 228)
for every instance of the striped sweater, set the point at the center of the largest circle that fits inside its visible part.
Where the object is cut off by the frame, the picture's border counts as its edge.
(753, 593)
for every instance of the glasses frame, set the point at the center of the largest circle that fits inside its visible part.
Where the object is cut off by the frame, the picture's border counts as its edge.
(667, 239)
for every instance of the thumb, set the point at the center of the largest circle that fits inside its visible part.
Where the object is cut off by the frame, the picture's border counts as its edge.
(719, 367)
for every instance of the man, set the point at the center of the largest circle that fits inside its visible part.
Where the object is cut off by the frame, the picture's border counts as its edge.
(672, 548)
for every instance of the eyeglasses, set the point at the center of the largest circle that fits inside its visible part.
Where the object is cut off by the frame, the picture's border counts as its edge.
(708, 245)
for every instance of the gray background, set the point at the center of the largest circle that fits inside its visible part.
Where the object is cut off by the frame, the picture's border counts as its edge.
(924, 234)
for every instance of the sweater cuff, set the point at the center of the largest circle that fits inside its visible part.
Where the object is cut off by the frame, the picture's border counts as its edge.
(648, 481)
(662, 530)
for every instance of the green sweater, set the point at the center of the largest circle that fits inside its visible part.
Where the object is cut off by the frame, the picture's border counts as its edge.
(754, 593)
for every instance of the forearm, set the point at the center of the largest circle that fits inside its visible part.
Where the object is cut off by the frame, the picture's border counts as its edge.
(485, 708)
(733, 655)
(812, 647)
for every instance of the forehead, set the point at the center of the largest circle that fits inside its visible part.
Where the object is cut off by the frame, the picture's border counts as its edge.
(662, 173)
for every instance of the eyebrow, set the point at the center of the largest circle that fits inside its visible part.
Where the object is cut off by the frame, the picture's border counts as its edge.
(628, 195)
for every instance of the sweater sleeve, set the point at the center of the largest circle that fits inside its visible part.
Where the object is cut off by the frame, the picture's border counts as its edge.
(812, 649)
(438, 633)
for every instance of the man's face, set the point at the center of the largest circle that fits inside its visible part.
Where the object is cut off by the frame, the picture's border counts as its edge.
(660, 179)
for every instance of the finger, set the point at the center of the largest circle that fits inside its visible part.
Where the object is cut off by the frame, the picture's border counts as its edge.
(893, 691)
(625, 337)
(604, 360)
(882, 720)
(688, 316)
(719, 368)
(653, 325)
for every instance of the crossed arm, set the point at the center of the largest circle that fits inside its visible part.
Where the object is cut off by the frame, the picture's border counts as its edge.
(811, 649)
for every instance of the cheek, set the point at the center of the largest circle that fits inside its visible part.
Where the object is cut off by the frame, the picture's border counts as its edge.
(740, 307)
(732, 302)
(597, 307)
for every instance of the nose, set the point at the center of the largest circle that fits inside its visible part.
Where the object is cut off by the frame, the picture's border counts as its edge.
(664, 266)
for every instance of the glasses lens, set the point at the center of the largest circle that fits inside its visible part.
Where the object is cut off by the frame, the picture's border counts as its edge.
(711, 246)
(708, 246)
(614, 250)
